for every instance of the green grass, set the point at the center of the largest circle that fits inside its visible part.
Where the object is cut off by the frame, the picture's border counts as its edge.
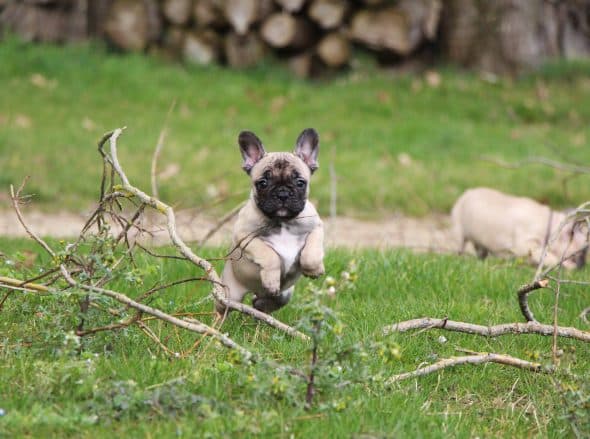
(48, 391)
(365, 118)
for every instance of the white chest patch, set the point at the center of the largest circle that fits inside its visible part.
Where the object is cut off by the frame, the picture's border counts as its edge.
(287, 245)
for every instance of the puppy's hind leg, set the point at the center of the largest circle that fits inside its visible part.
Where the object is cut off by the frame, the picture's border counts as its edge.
(269, 304)
(234, 290)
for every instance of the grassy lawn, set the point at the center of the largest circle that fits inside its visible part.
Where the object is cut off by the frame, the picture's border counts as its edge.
(397, 144)
(121, 384)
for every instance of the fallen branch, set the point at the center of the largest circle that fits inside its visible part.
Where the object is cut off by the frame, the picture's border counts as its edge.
(218, 289)
(487, 331)
(199, 328)
(479, 358)
(524, 291)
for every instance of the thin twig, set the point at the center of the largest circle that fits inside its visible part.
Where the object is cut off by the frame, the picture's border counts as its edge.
(480, 358)
(158, 150)
(488, 331)
(523, 292)
(15, 200)
(224, 219)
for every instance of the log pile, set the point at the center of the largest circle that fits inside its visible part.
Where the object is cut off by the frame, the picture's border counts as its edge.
(316, 35)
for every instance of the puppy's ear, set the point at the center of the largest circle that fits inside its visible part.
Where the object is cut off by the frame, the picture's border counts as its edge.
(308, 147)
(251, 149)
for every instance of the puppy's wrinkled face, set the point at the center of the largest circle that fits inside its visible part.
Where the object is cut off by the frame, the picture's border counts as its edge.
(280, 185)
(280, 180)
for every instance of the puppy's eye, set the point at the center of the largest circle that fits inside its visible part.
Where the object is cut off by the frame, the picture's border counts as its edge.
(262, 183)
(300, 183)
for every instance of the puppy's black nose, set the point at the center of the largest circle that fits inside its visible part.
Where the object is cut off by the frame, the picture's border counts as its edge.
(282, 194)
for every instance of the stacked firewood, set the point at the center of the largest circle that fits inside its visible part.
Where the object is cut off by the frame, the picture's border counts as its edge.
(502, 36)
(308, 34)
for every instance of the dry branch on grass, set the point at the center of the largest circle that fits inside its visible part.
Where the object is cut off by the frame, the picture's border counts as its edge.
(487, 331)
(479, 358)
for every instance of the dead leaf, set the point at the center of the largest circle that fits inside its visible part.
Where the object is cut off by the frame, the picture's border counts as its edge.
(88, 124)
(579, 139)
(38, 80)
(383, 97)
(433, 79)
(169, 171)
(278, 103)
(404, 159)
(23, 121)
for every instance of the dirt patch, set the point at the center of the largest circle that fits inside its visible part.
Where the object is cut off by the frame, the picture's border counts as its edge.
(427, 234)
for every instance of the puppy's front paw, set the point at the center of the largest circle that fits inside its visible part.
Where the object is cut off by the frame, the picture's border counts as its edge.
(313, 271)
(271, 281)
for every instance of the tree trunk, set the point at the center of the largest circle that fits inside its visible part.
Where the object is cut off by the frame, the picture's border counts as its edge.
(503, 36)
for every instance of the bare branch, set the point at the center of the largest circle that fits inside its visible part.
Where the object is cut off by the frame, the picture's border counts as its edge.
(227, 217)
(158, 150)
(487, 331)
(8, 282)
(197, 327)
(480, 358)
(15, 201)
(523, 292)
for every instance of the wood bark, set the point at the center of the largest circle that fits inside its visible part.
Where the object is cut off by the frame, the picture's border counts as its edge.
(55, 22)
(291, 5)
(334, 50)
(201, 47)
(301, 65)
(282, 30)
(241, 14)
(177, 12)
(401, 28)
(509, 36)
(243, 50)
(132, 24)
(208, 13)
(328, 14)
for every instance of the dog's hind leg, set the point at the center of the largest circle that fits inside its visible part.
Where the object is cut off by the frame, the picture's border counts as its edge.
(269, 303)
(233, 289)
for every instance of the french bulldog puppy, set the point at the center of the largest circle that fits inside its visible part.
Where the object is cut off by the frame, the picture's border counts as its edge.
(278, 234)
(506, 225)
